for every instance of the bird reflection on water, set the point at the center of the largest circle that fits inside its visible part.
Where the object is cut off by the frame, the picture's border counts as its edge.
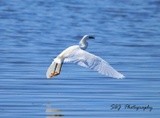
(53, 112)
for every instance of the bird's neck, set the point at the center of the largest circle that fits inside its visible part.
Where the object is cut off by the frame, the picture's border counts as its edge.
(83, 44)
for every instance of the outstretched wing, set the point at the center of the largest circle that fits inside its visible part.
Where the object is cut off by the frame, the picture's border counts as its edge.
(88, 60)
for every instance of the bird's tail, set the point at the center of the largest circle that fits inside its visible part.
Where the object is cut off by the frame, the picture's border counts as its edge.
(54, 69)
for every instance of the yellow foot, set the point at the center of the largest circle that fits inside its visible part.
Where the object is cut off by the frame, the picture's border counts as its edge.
(53, 74)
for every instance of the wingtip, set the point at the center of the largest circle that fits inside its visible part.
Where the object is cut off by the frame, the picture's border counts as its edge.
(121, 77)
(48, 76)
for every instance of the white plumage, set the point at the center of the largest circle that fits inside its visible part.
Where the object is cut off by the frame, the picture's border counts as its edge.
(77, 54)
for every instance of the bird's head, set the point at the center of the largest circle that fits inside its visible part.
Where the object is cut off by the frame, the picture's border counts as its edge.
(83, 43)
(88, 37)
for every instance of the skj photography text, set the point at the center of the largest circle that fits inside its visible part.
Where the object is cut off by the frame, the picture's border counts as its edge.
(133, 107)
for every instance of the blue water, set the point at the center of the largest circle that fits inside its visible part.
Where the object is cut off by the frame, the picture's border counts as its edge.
(33, 32)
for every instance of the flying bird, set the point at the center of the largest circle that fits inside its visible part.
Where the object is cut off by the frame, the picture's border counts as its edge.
(77, 54)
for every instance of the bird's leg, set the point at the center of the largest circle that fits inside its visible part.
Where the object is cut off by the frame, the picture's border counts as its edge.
(56, 69)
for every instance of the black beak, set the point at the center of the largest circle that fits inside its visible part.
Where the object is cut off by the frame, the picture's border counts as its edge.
(91, 37)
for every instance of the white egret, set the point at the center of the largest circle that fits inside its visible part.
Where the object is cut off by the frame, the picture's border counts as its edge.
(77, 54)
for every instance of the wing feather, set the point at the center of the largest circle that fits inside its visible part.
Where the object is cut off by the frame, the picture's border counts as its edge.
(88, 60)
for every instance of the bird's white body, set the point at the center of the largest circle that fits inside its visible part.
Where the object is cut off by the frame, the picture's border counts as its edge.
(70, 50)
(77, 54)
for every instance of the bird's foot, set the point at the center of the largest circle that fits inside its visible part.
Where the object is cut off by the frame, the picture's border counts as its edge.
(53, 74)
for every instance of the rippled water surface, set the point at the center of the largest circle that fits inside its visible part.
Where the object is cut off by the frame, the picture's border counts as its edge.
(127, 35)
